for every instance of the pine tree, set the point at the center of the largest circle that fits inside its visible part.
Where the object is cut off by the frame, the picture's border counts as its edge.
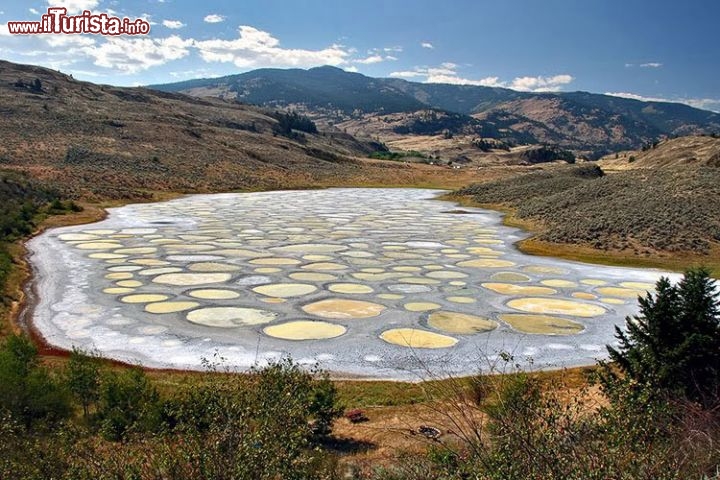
(673, 345)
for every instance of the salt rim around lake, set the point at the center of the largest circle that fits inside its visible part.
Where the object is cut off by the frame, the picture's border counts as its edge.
(370, 283)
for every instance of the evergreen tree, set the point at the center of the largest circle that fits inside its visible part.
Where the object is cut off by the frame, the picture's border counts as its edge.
(673, 345)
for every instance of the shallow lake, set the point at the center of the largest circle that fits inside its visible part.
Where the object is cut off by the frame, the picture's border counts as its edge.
(377, 283)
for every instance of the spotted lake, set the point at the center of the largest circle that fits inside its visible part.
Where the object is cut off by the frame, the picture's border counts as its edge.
(377, 283)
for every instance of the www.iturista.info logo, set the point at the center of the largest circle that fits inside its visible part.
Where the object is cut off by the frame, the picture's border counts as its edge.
(56, 20)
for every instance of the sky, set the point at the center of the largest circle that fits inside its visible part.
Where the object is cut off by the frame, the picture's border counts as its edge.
(645, 49)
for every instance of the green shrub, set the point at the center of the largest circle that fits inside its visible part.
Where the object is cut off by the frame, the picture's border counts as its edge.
(128, 403)
(29, 393)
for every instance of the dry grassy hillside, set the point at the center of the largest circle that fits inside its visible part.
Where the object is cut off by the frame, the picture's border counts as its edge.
(687, 152)
(666, 206)
(100, 142)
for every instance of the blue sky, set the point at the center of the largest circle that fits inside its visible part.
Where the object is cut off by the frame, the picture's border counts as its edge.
(657, 49)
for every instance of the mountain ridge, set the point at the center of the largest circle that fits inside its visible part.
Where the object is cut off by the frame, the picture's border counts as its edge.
(590, 124)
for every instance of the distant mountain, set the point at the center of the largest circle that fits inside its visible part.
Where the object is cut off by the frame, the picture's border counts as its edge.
(590, 124)
(318, 88)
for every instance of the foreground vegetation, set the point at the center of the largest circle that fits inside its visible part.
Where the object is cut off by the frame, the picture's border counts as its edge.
(652, 414)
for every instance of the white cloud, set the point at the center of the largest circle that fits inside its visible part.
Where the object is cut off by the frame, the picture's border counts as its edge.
(447, 73)
(644, 65)
(148, 18)
(34, 11)
(407, 74)
(427, 45)
(351, 69)
(214, 18)
(256, 48)
(396, 49)
(540, 83)
(712, 104)
(74, 6)
(173, 24)
(375, 56)
(371, 59)
(131, 55)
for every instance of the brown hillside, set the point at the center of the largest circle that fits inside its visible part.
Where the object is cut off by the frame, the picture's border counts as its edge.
(691, 151)
(96, 141)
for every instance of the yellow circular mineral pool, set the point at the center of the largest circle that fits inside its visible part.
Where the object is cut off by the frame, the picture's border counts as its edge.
(341, 308)
(119, 276)
(310, 248)
(144, 298)
(620, 292)
(230, 317)
(213, 267)
(275, 261)
(546, 269)
(377, 277)
(511, 289)
(510, 277)
(556, 306)
(213, 294)
(419, 281)
(285, 290)
(170, 307)
(305, 330)
(350, 288)
(391, 296)
(312, 277)
(460, 323)
(461, 299)
(559, 283)
(68, 237)
(191, 279)
(584, 296)
(446, 274)
(486, 263)
(324, 266)
(415, 338)
(421, 306)
(541, 324)
(118, 290)
(106, 245)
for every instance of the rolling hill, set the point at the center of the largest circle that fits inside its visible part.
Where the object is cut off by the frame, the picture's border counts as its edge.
(589, 124)
(663, 204)
(103, 142)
